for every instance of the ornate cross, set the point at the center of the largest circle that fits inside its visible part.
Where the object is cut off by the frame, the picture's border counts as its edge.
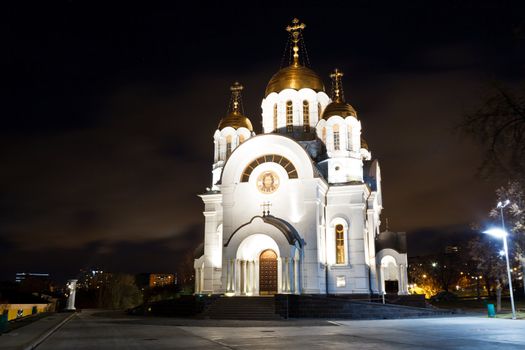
(295, 29)
(338, 86)
(236, 89)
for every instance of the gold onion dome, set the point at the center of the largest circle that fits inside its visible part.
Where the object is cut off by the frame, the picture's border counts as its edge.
(235, 117)
(338, 106)
(295, 76)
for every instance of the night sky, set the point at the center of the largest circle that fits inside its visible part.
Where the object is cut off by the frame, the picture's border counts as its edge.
(109, 112)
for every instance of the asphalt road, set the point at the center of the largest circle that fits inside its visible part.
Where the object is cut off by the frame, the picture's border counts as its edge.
(92, 330)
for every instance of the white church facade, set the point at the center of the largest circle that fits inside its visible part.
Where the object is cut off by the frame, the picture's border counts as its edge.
(297, 208)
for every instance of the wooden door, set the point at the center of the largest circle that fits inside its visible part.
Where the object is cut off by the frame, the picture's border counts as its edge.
(268, 272)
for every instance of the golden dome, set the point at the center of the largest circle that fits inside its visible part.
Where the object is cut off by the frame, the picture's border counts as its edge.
(294, 77)
(235, 120)
(341, 109)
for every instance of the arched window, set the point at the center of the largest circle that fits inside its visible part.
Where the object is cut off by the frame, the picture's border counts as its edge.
(323, 135)
(241, 139)
(228, 145)
(339, 244)
(319, 110)
(273, 158)
(275, 117)
(306, 116)
(289, 116)
(336, 138)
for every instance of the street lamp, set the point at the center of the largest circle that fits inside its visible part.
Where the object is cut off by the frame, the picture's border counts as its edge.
(501, 233)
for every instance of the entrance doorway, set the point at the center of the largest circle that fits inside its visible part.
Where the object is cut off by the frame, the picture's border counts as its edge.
(391, 287)
(268, 272)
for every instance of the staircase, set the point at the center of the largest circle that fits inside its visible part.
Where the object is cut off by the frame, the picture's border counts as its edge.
(318, 306)
(242, 308)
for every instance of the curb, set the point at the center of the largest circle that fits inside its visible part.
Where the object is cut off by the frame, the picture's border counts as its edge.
(46, 335)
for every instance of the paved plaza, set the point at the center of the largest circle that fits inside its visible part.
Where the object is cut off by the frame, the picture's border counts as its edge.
(97, 330)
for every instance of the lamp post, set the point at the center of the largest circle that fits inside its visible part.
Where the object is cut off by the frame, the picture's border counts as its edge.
(501, 233)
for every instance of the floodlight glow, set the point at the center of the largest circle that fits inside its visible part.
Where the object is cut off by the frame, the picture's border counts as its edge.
(502, 253)
(503, 204)
(496, 232)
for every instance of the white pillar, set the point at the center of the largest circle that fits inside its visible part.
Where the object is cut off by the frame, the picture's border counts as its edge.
(291, 274)
(72, 286)
(229, 273)
(296, 276)
(286, 276)
(254, 283)
(279, 275)
(256, 275)
(237, 277)
(403, 287)
(243, 267)
(381, 279)
(248, 277)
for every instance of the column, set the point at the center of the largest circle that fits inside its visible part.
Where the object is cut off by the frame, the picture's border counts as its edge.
(229, 276)
(402, 286)
(296, 276)
(248, 277)
(231, 262)
(256, 275)
(237, 276)
(228, 273)
(243, 272)
(254, 285)
(381, 279)
(291, 270)
(286, 275)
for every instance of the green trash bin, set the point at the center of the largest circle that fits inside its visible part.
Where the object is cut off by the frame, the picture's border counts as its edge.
(491, 310)
(3, 322)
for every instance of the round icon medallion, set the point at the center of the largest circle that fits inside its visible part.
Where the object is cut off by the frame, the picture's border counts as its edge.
(268, 182)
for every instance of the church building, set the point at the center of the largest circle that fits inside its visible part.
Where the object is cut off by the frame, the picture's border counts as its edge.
(296, 209)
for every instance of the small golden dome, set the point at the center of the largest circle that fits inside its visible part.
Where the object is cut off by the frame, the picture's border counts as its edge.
(236, 121)
(341, 109)
(294, 77)
(338, 106)
(235, 117)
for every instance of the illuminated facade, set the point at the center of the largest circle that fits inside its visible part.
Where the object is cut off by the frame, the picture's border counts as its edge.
(297, 208)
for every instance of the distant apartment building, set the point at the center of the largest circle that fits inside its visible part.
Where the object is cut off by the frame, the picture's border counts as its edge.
(155, 279)
(93, 279)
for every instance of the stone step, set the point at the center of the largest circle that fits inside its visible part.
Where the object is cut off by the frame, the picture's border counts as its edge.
(241, 308)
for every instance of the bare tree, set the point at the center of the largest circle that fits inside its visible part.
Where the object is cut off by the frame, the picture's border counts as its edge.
(499, 128)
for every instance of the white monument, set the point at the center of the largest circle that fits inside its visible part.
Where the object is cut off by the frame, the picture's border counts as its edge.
(72, 290)
(297, 208)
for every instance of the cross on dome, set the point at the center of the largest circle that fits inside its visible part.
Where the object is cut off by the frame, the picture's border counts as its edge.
(236, 102)
(337, 85)
(295, 30)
